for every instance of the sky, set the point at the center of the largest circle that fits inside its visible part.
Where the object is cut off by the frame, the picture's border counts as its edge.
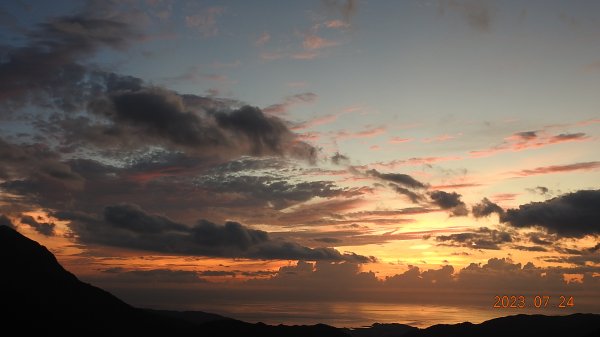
(332, 161)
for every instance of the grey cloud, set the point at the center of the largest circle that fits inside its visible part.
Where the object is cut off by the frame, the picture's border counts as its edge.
(40, 227)
(398, 178)
(129, 227)
(212, 273)
(542, 190)
(483, 238)
(530, 248)
(570, 215)
(5, 221)
(339, 159)
(48, 66)
(477, 13)
(413, 196)
(274, 190)
(486, 208)
(154, 276)
(449, 201)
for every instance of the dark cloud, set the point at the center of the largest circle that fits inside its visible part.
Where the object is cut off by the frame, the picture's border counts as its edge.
(483, 238)
(47, 69)
(530, 248)
(5, 221)
(154, 276)
(340, 159)
(44, 228)
(526, 135)
(161, 113)
(398, 178)
(328, 240)
(449, 201)
(541, 238)
(542, 190)
(413, 196)
(213, 273)
(485, 208)
(129, 227)
(570, 215)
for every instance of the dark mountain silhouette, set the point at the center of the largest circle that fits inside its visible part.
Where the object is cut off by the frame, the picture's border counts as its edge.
(575, 325)
(37, 295)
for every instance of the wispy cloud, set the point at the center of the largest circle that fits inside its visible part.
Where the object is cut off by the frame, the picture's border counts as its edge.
(312, 42)
(368, 133)
(586, 166)
(205, 21)
(529, 140)
(399, 140)
(263, 39)
(290, 101)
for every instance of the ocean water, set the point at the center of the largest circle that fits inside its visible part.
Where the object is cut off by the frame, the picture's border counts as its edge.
(362, 314)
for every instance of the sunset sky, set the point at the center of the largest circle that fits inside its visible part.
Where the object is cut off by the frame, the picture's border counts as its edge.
(305, 161)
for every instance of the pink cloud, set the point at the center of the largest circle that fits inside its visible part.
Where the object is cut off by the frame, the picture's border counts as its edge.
(440, 138)
(399, 140)
(263, 39)
(586, 166)
(305, 55)
(500, 197)
(205, 21)
(360, 134)
(336, 24)
(412, 161)
(529, 140)
(589, 122)
(312, 42)
(290, 101)
(375, 147)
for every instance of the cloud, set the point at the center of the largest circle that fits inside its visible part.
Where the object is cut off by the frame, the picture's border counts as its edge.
(569, 215)
(46, 67)
(585, 166)
(526, 140)
(5, 221)
(263, 39)
(486, 208)
(398, 178)
(313, 42)
(541, 190)
(266, 189)
(413, 196)
(340, 159)
(477, 13)
(346, 8)
(129, 226)
(483, 238)
(368, 133)
(399, 140)
(154, 276)
(44, 228)
(289, 102)
(449, 201)
(205, 21)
